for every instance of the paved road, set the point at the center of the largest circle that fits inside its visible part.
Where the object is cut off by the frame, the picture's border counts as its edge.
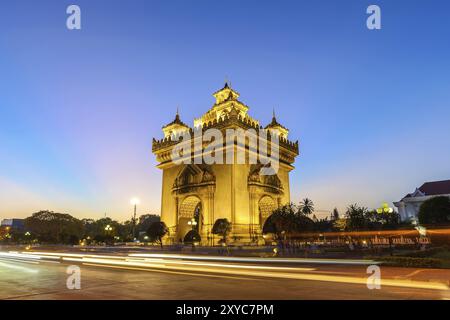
(162, 278)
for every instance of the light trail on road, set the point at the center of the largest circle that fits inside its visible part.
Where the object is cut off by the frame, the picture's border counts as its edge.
(257, 260)
(223, 266)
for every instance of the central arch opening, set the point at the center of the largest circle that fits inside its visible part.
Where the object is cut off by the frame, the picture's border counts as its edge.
(266, 208)
(189, 217)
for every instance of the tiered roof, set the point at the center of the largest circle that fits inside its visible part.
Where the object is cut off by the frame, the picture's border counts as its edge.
(227, 111)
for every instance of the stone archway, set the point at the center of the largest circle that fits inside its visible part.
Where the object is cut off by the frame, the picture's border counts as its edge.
(266, 206)
(190, 207)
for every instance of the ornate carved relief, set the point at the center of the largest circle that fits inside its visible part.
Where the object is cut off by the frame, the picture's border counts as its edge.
(193, 178)
(271, 184)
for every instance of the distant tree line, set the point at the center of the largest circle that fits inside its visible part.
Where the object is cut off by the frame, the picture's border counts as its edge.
(294, 219)
(50, 227)
(285, 222)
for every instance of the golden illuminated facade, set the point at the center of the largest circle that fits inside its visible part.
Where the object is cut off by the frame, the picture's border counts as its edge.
(207, 192)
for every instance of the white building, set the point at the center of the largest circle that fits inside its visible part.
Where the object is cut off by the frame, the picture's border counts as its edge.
(409, 206)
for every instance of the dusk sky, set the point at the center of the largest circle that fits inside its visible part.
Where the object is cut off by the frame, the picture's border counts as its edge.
(79, 108)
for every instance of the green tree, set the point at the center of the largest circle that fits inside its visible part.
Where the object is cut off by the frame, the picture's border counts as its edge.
(125, 230)
(146, 220)
(356, 217)
(52, 227)
(323, 225)
(4, 233)
(156, 231)
(222, 227)
(382, 220)
(435, 211)
(306, 206)
(191, 237)
(287, 221)
(12, 235)
(96, 230)
(340, 224)
(335, 214)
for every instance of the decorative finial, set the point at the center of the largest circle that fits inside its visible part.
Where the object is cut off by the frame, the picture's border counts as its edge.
(273, 114)
(227, 82)
(177, 116)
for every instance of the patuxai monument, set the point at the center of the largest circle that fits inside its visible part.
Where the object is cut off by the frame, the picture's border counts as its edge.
(194, 188)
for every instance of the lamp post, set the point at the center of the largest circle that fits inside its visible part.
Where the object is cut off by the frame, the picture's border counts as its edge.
(386, 209)
(28, 234)
(134, 201)
(108, 228)
(192, 223)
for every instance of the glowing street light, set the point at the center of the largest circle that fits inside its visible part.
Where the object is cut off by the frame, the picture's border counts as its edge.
(385, 209)
(27, 234)
(135, 201)
(108, 228)
(192, 223)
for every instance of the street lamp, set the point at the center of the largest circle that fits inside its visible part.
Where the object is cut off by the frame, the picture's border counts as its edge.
(192, 223)
(28, 234)
(134, 201)
(385, 209)
(108, 228)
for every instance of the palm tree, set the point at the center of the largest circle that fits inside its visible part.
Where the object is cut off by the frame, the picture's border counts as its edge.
(335, 214)
(306, 206)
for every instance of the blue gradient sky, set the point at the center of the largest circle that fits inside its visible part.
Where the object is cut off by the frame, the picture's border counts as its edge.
(78, 109)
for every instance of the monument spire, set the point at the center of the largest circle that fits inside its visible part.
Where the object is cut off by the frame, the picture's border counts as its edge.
(275, 125)
(175, 126)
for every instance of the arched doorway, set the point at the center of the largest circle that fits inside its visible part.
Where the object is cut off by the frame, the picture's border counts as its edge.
(190, 208)
(266, 207)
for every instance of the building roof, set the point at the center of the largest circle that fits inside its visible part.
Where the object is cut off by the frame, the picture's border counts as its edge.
(433, 188)
(274, 123)
(436, 188)
(14, 222)
(226, 87)
(177, 121)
